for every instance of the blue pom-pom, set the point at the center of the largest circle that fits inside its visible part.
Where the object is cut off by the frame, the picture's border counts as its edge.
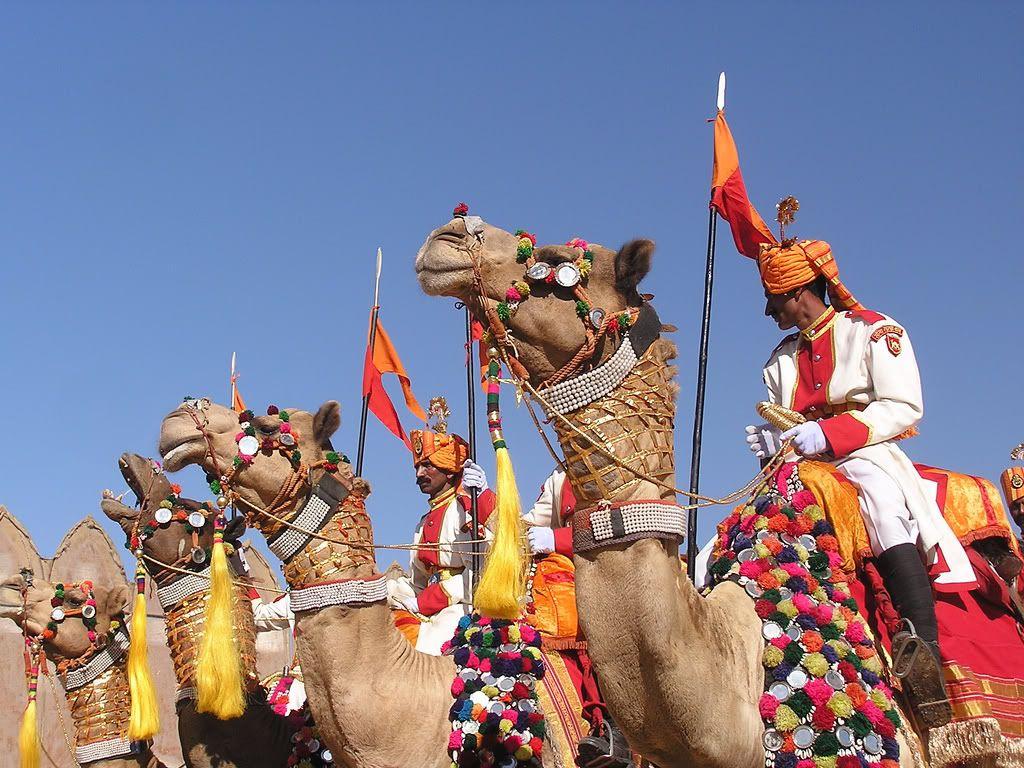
(788, 555)
(785, 760)
(890, 748)
(806, 622)
(782, 671)
(461, 656)
(869, 677)
(761, 504)
(797, 584)
(829, 653)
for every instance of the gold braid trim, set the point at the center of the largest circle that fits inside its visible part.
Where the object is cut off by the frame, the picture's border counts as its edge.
(321, 561)
(635, 422)
(184, 625)
(101, 708)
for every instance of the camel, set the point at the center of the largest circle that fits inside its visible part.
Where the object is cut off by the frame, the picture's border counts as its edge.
(681, 673)
(259, 737)
(377, 702)
(97, 692)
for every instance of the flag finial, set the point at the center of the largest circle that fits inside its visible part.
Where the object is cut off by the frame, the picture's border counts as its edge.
(438, 410)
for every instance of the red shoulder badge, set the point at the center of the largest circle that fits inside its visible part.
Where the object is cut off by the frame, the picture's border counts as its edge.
(892, 335)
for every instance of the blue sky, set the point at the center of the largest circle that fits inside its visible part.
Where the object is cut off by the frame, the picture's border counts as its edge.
(181, 181)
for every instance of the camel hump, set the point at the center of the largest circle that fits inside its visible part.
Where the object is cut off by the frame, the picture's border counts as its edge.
(17, 550)
(86, 552)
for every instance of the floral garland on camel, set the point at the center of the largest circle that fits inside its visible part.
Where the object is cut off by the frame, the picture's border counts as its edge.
(825, 704)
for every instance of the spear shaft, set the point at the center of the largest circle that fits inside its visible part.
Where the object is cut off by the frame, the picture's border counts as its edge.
(474, 504)
(373, 339)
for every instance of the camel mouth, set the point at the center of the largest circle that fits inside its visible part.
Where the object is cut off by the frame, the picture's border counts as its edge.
(176, 456)
(443, 264)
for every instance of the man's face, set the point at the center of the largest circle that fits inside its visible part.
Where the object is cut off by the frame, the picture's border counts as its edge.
(782, 308)
(431, 480)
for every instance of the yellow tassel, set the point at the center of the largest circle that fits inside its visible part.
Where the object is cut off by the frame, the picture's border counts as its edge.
(501, 593)
(219, 668)
(144, 721)
(28, 737)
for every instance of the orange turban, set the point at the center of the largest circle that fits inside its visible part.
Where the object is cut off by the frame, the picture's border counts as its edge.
(790, 265)
(446, 452)
(1013, 485)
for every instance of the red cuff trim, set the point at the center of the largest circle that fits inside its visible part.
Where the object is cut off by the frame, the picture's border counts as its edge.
(252, 594)
(563, 541)
(845, 434)
(432, 600)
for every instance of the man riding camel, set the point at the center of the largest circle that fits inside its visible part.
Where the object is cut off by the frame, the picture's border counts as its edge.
(550, 530)
(442, 569)
(852, 373)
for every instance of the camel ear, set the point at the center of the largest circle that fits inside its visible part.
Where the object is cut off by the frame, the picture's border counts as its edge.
(234, 529)
(121, 514)
(119, 599)
(326, 423)
(632, 263)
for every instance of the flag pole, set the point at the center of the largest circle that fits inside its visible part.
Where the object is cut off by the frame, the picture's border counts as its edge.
(702, 374)
(373, 339)
(233, 378)
(474, 504)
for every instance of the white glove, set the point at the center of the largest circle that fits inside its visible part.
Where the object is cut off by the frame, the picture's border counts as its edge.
(473, 476)
(763, 440)
(541, 539)
(808, 438)
(409, 602)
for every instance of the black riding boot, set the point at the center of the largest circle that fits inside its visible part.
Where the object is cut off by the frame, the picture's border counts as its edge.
(915, 650)
(607, 749)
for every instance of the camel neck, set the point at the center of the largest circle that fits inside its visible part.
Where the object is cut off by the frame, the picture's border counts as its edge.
(184, 624)
(614, 440)
(100, 710)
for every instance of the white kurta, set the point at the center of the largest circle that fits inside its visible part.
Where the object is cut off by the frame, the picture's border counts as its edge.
(453, 574)
(275, 615)
(856, 374)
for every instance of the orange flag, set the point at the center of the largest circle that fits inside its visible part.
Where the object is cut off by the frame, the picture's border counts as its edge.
(237, 403)
(729, 195)
(383, 358)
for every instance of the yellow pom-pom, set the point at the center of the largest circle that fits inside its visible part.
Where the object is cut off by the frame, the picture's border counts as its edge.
(524, 753)
(829, 761)
(873, 664)
(816, 664)
(144, 718)
(219, 668)
(785, 718)
(879, 698)
(505, 726)
(29, 748)
(772, 657)
(761, 523)
(502, 590)
(787, 608)
(761, 550)
(841, 705)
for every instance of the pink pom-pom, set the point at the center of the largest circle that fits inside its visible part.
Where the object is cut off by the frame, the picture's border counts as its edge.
(286, 428)
(512, 294)
(803, 603)
(803, 499)
(781, 642)
(794, 569)
(819, 691)
(854, 631)
(751, 569)
(485, 665)
(473, 662)
(239, 436)
(455, 740)
(871, 711)
(528, 633)
(458, 686)
(823, 614)
(747, 524)
(767, 706)
(805, 763)
(835, 562)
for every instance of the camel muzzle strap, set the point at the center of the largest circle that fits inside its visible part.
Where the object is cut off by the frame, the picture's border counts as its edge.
(104, 750)
(618, 522)
(325, 497)
(172, 594)
(343, 592)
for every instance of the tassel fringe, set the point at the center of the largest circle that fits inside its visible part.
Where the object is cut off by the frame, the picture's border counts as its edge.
(219, 668)
(28, 736)
(144, 721)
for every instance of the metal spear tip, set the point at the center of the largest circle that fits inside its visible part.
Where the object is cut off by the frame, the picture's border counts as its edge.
(721, 91)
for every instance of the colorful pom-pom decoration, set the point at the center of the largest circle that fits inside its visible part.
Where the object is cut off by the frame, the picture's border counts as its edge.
(460, 210)
(824, 703)
(496, 718)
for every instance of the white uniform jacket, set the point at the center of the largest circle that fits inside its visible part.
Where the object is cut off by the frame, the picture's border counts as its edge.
(442, 570)
(856, 374)
(554, 509)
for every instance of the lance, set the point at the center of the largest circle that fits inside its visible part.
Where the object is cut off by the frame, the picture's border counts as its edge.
(702, 375)
(234, 378)
(474, 505)
(373, 339)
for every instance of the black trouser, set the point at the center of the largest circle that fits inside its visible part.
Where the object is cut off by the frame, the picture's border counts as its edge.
(907, 582)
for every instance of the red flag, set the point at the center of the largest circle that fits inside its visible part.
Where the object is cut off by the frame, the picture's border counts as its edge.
(729, 195)
(383, 358)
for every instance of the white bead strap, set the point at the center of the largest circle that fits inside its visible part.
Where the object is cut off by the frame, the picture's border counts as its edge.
(102, 750)
(188, 692)
(584, 389)
(643, 517)
(173, 593)
(99, 663)
(311, 518)
(339, 593)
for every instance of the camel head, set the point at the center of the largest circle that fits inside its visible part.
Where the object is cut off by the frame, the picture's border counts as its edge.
(214, 447)
(32, 604)
(170, 542)
(546, 328)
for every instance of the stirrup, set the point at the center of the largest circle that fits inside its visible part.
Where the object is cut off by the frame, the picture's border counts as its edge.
(912, 647)
(923, 682)
(607, 759)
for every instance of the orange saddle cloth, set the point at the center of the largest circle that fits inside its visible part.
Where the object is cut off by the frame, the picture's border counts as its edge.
(971, 505)
(552, 607)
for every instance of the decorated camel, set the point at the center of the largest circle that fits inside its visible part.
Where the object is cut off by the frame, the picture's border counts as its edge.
(377, 701)
(682, 673)
(176, 536)
(81, 628)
